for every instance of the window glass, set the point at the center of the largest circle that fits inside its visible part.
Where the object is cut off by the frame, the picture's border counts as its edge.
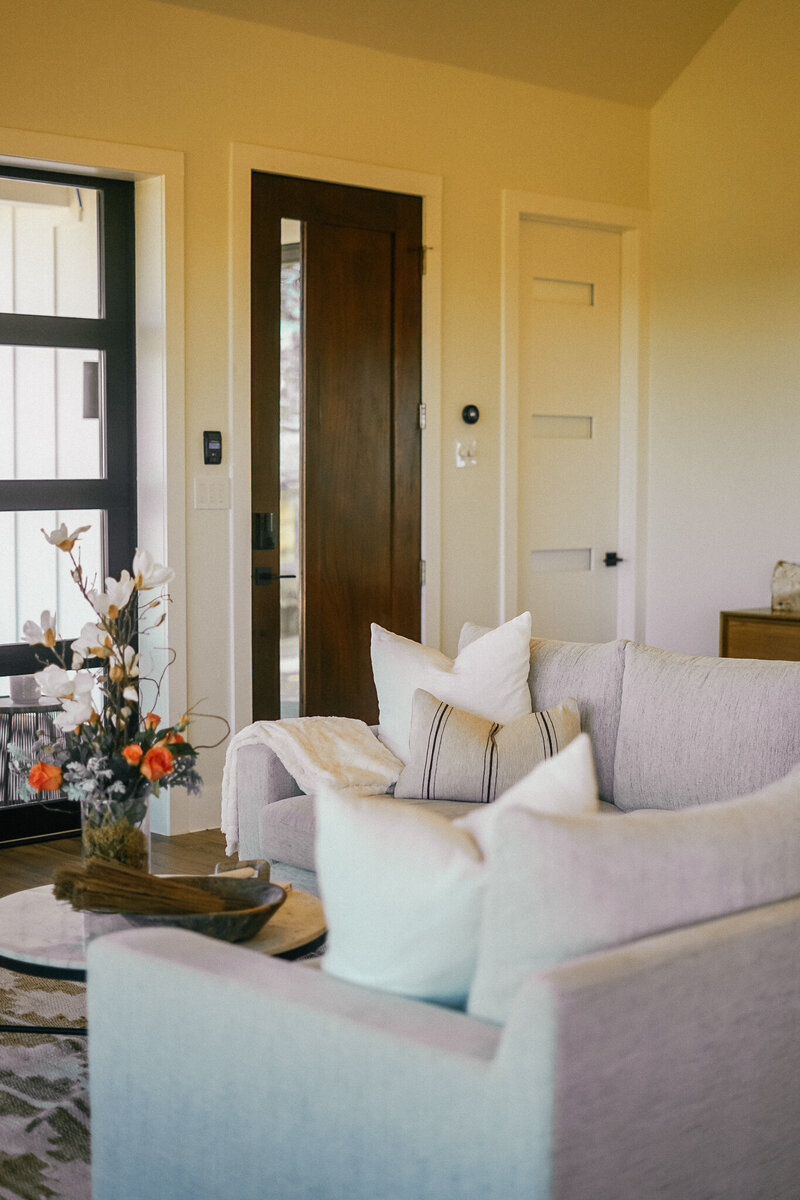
(49, 249)
(290, 436)
(35, 577)
(52, 406)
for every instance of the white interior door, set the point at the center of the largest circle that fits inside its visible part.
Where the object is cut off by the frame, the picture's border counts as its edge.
(569, 423)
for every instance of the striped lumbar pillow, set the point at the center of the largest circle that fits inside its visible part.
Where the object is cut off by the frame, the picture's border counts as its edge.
(456, 755)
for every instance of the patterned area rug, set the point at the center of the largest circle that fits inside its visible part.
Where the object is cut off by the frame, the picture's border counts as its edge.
(44, 1091)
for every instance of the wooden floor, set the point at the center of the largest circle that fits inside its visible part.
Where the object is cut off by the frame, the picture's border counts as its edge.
(36, 862)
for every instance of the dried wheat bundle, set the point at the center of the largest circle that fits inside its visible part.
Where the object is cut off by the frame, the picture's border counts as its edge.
(101, 884)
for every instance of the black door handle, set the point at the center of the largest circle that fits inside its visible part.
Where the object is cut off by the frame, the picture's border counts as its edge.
(264, 575)
(612, 558)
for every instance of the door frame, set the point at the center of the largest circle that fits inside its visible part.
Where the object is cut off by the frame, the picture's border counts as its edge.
(244, 160)
(158, 177)
(632, 224)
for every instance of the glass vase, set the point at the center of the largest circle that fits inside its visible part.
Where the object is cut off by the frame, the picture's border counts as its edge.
(117, 830)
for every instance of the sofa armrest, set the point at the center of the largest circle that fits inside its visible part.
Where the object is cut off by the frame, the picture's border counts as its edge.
(260, 778)
(259, 1077)
(678, 1062)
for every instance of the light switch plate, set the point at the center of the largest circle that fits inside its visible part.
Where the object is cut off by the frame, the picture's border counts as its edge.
(467, 454)
(212, 492)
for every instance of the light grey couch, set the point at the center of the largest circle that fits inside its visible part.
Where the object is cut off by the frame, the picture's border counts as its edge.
(667, 731)
(668, 1066)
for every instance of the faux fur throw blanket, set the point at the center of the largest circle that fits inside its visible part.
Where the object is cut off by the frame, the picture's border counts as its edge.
(339, 752)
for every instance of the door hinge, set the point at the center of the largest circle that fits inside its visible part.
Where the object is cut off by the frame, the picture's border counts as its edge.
(423, 416)
(422, 252)
(422, 572)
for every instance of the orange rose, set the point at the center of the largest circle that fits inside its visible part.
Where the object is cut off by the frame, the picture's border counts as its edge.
(174, 738)
(157, 762)
(133, 754)
(152, 721)
(44, 777)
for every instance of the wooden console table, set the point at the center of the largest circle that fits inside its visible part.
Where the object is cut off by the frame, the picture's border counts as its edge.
(759, 633)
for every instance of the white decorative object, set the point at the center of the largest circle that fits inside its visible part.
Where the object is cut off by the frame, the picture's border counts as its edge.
(786, 587)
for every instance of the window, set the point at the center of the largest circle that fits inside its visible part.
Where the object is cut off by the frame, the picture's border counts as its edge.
(67, 394)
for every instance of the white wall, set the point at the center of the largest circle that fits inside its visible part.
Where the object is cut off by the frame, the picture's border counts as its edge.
(725, 374)
(160, 76)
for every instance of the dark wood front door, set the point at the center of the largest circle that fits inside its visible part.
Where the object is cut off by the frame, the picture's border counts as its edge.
(358, 535)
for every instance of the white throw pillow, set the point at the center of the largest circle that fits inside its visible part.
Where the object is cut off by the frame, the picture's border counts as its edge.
(564, 785)
(558, 888)
(403, 887)
(488, 678)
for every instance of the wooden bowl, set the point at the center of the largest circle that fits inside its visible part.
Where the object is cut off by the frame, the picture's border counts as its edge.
(256, 901)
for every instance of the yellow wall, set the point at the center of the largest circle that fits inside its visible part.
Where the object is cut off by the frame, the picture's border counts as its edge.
(137, 72)
(724, 411)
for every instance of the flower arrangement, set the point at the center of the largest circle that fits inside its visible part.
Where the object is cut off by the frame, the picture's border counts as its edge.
(109, 756)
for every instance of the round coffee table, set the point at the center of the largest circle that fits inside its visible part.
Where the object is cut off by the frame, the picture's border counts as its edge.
(40, 935)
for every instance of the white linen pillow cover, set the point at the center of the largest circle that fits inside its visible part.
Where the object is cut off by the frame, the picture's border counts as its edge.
(488, 678)
(403, 887)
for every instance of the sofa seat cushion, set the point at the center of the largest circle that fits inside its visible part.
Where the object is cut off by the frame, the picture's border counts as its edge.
(694, 730)
(560, 887)
(288, 828)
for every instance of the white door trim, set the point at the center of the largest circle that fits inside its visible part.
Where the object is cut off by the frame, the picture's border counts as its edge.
(633, 226)
(158, 177)
(244, 160)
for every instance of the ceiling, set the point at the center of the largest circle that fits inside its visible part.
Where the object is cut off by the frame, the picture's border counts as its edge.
(624, 50)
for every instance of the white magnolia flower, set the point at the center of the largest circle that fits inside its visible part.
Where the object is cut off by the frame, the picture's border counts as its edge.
(74, 713)
(130, 693)
(62, 538)
(148, 574)
(91, 642)
(126, 658)
(82, 685)
(43, 634)
(116, 596)
(54, 681)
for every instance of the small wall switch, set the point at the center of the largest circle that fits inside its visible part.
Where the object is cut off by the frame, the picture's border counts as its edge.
(467, 454)
(212, 492)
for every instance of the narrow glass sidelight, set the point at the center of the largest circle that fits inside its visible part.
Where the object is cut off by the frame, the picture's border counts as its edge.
(291, 432)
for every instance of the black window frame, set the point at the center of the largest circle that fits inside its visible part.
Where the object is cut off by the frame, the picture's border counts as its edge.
(114, 333)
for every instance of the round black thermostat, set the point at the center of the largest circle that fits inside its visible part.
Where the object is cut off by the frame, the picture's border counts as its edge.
(470, 413)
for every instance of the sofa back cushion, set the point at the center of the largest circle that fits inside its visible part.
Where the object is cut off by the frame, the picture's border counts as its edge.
(559, 887)
(592, 673)
(694, 730)
(589, 671)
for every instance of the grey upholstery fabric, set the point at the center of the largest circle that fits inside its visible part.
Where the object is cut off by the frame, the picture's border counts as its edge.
(694, 730)
(679, 1064)
(261, 779)
(288, 830)
(593, 675)
(561, 887)
(667, 1068)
